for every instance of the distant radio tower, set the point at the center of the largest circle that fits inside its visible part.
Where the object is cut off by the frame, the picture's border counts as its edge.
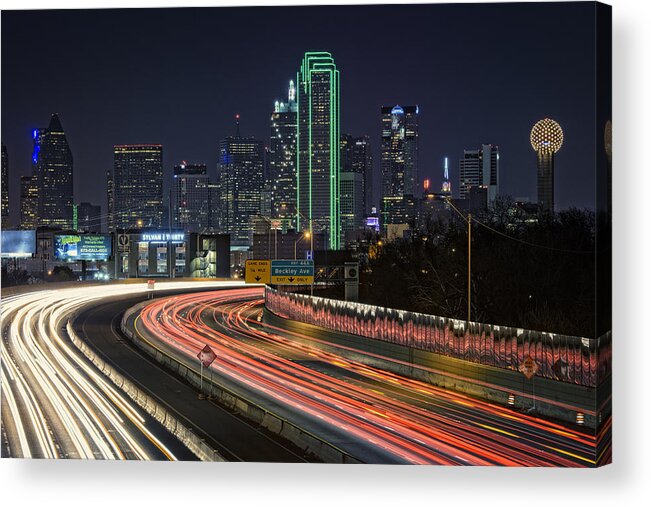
(446, 187)
(546, 140)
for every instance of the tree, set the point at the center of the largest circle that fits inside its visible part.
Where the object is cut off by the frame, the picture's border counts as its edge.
(62, 274)
(529, 270)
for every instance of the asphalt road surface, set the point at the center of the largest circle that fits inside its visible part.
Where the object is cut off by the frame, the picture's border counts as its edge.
(385, 418)
(56, 404)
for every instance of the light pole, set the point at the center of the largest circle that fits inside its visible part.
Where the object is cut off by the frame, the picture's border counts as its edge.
(306, 235)
(268, 219)
(309, 220)
(469, 221)
(469, 257)
(311, 236)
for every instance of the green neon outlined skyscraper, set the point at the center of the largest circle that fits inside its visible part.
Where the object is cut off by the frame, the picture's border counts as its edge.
(317, 153)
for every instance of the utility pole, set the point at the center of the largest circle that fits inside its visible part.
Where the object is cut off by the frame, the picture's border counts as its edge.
(469, 246)
(172, 262)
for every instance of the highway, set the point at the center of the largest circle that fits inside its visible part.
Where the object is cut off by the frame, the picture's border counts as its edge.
(55, 403)
(235, 438)
(375, 415)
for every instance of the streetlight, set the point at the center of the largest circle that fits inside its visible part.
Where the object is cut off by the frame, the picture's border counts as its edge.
(306, 235)
(310, 235)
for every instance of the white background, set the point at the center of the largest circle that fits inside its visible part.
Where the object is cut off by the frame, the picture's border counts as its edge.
(626, 482)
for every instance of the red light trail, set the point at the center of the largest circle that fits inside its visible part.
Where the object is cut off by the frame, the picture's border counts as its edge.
(411, 420)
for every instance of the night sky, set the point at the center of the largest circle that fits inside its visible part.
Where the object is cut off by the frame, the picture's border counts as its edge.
(480, 74)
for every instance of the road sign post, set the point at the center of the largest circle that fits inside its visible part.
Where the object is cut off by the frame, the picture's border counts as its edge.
(206, 357)
(151, 286)
(529, 368)
(351, 281)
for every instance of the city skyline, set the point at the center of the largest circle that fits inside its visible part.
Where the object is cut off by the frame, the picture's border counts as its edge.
(453, 115)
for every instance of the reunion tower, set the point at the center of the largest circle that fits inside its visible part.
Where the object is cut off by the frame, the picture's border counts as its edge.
(546, 140)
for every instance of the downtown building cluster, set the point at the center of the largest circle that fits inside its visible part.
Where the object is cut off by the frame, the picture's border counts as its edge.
(307, 180)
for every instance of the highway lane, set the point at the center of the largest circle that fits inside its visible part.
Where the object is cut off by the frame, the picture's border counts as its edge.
(232, 436)
(55, 403)
(411, 421)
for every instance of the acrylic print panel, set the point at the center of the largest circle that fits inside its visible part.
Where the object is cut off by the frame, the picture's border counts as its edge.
(379, 237)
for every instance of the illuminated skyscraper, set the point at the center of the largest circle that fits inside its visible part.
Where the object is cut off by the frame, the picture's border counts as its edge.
(546, 140)
(28, 202)
(356, 157)
(282, 159)
(318, 151)
(138, 185)
(480, 168)
(241, 175)
(352, 202)
(52, 167)
(5, 187)
(191, 198)
(399, 164)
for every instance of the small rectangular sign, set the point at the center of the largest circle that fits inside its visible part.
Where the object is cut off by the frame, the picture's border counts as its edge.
(257, 271)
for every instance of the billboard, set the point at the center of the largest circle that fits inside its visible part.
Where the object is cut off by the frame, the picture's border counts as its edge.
(75, 247)
(18, 243)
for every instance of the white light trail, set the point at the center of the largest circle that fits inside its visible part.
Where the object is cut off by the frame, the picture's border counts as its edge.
(59, 403)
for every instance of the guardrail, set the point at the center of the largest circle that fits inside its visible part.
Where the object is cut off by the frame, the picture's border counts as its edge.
(571, 359)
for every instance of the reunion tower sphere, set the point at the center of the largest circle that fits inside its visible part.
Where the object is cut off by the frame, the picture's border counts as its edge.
(546, 136)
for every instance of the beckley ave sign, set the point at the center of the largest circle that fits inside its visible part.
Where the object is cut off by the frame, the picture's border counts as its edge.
(292, 272)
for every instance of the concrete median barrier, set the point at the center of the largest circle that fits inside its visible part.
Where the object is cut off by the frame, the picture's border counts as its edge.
(192, 441)
(311, 445)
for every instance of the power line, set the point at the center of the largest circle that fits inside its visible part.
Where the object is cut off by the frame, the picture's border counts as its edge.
(528, 243)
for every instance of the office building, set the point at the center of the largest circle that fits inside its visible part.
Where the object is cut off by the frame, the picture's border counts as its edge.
(191, 198)
(356, 157)
(155, 253)
(480, 168)
(137, 186)
(28, 202)
(282, 159)
(399, 164)
(52, 167)
(352, 203)
(318, 151)
(241, 176)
